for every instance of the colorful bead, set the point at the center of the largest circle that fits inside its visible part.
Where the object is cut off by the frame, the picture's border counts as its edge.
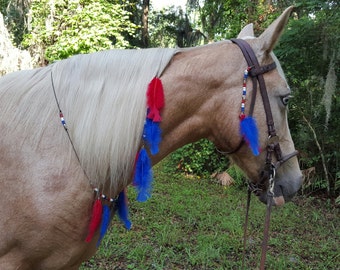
(244, 92)
(63, 122)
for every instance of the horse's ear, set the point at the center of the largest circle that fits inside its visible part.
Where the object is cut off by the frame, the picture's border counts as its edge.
(272, 34)
(247, 31)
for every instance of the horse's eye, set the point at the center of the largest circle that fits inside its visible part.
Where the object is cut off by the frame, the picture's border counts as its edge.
(285, 99)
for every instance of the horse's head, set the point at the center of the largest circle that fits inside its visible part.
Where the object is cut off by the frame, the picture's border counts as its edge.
(276, 159)
(203, 90)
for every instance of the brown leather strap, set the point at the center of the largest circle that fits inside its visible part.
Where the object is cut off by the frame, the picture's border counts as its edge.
(261, 70)
(257, 72)
(273, 146)
(265, 239)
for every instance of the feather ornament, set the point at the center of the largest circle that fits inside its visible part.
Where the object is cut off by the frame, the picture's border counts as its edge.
(106, 217)
(95, 219)
(250, 133)
(143, 176)
(123, 210)
(152, 135)
(155, 99)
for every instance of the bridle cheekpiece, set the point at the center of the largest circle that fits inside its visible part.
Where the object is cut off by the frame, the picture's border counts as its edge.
(255, 71)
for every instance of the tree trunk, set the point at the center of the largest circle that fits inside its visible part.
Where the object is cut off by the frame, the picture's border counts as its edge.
(12, 59)
(145, 27)
(323, 160)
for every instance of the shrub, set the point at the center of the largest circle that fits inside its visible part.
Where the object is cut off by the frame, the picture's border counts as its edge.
(200, 158)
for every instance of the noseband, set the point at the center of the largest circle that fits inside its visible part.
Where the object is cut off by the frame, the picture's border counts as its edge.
(273, 146)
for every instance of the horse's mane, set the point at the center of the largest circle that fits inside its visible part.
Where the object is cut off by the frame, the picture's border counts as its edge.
(103, 99)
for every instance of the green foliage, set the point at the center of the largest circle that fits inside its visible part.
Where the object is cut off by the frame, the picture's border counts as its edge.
(238, 176)
(195, 224)
(221, 19)
(163, 27)
(171, 27)
(200, 158)
(63, 28)
(15, 18)
(307, 51)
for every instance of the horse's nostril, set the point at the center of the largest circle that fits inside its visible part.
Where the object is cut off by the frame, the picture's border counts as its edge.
(279, 200)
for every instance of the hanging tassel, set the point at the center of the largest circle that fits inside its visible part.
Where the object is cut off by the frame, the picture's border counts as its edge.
(95, 219)
(250, 132)
(143, 176)
(106, 217)
(123, 211)
(155, 99)
(152, 135)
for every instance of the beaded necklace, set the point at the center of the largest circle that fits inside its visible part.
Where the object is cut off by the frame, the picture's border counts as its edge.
(103, 205)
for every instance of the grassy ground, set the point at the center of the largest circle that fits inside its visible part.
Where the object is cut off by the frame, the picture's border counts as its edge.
(192, 223)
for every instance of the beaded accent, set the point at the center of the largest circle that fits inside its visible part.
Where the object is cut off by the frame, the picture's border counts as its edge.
(103, 196)
(244, 93)
(103, 205)
(62, 119)
(248, 126)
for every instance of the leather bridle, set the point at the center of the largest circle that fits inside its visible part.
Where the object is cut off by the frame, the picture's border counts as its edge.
(273, 146)
(268, 173)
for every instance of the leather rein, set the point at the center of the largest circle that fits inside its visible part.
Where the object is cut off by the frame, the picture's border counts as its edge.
(273, 146)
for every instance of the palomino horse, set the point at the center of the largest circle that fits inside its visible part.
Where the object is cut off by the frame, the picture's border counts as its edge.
(48, 172)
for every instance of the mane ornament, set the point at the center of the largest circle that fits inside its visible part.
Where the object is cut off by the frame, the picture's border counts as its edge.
(248, 126)
(143, 176)
(151, 138)
(103, 205)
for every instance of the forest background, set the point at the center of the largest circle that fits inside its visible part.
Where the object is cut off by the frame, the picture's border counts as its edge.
(309, 52)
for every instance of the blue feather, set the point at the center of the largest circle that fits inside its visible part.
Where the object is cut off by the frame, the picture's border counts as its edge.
(106, 217)
(123, 211)
(152, 134)
(143, 176)
(250, 133)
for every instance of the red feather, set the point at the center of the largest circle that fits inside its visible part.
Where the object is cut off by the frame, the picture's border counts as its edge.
(95, 219)
(155, 99)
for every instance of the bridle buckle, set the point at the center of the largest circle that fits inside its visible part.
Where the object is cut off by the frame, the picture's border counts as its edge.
(273, 139)
(271, 180)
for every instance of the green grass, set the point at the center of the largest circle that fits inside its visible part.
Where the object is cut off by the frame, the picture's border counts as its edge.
(193, 223)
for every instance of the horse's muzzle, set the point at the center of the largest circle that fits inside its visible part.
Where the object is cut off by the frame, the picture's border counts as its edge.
(284, 190)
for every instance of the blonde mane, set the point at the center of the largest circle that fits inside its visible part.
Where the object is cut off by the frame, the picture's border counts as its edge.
(103, 99)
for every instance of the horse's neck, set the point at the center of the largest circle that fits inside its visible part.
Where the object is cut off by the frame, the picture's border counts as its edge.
(196, 105)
